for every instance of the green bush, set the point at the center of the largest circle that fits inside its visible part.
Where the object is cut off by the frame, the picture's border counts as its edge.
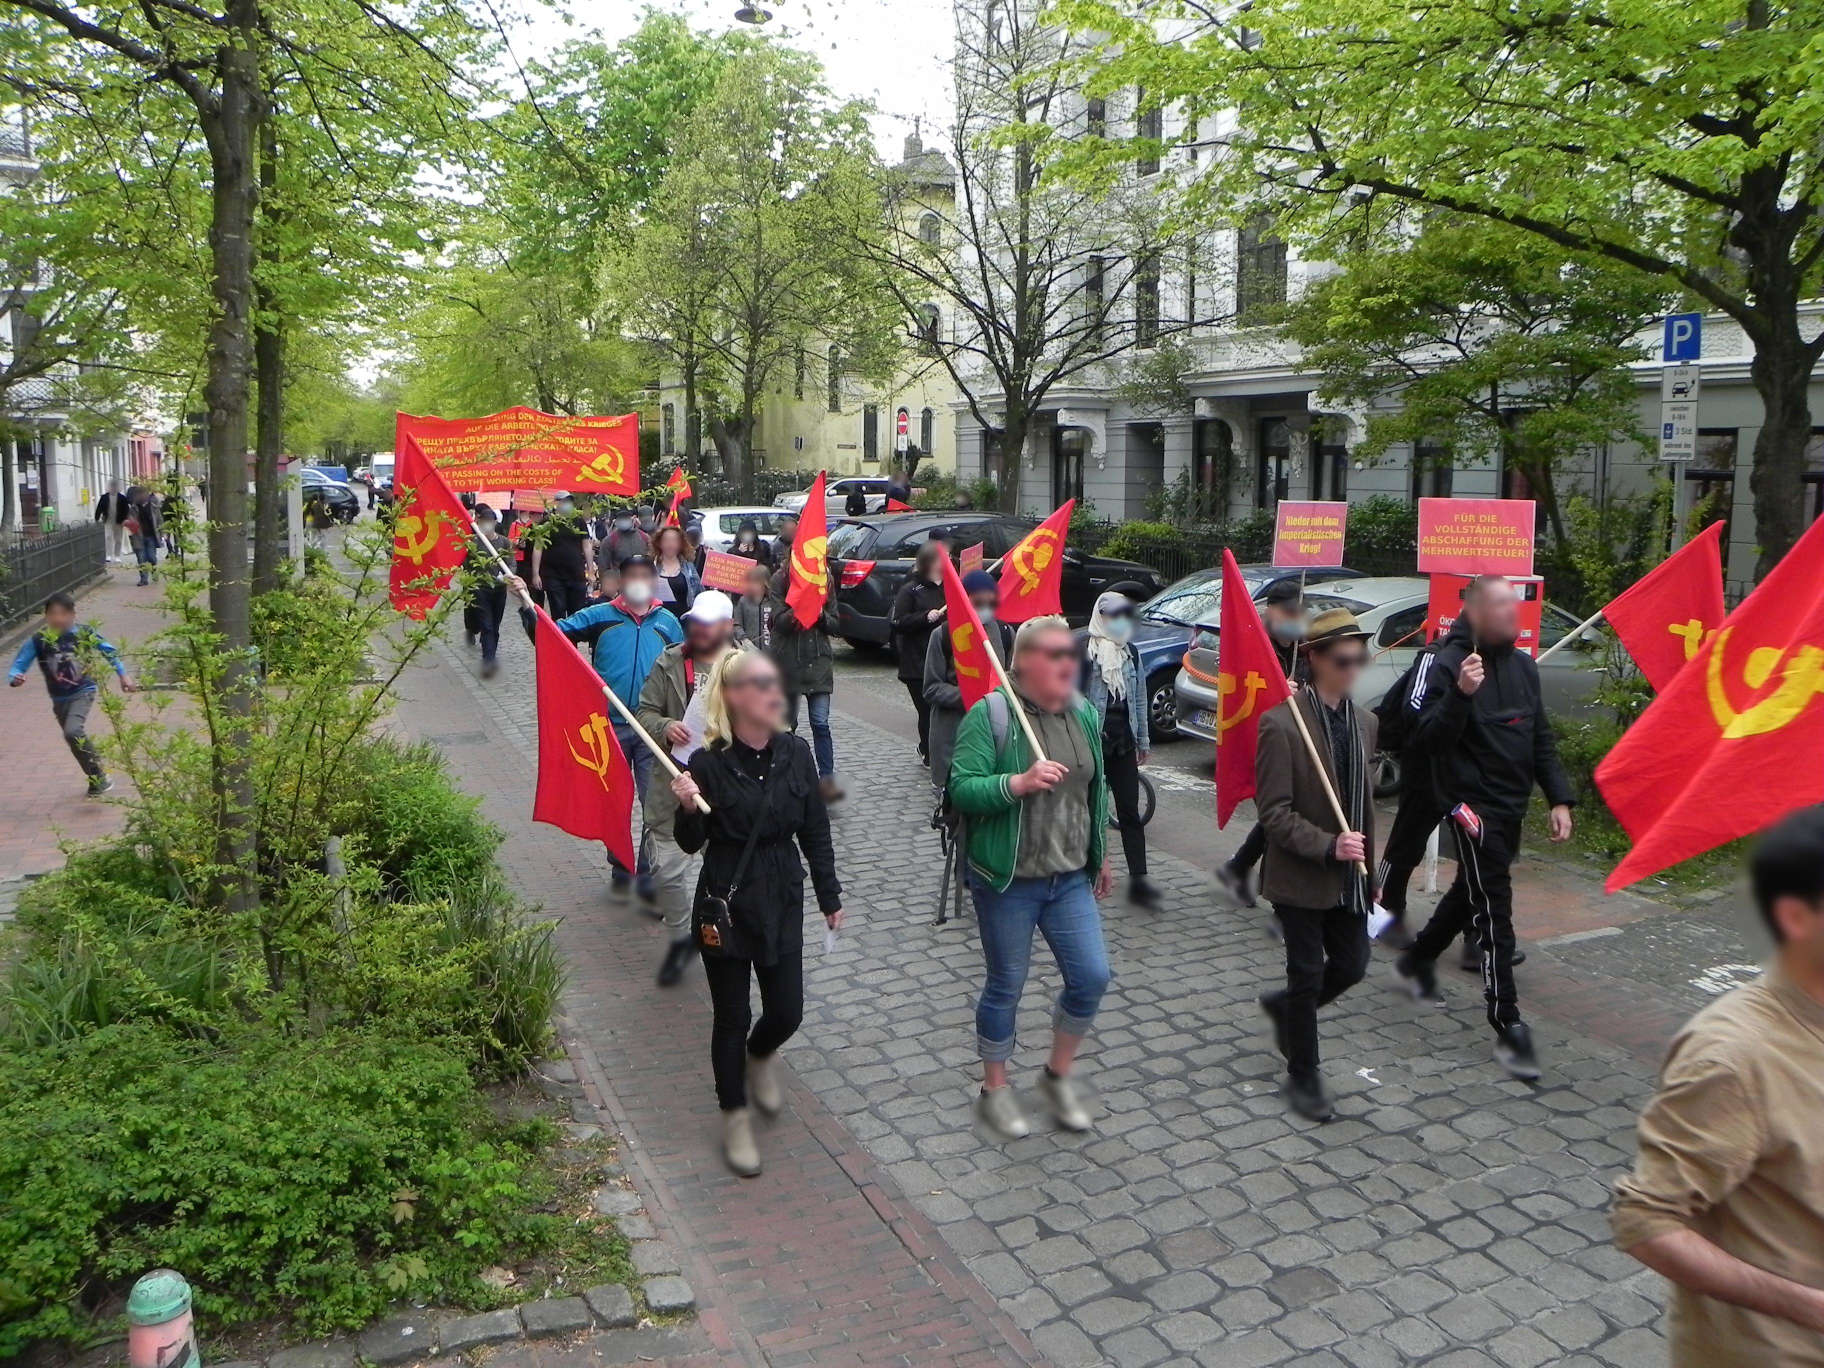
(1383, 536)
(1140, 541)
(399, 809)
(316, 1178)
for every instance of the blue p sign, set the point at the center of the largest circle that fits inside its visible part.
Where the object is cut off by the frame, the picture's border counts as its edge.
(1684, 337)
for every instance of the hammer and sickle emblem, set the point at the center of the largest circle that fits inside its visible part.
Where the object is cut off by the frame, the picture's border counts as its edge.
(1226, 684)
(1691, 633)
(415, 537)
(597, 751)
(808, 558)
(610, 466)
(1032, 557)
(962, 639)
(1801, 680)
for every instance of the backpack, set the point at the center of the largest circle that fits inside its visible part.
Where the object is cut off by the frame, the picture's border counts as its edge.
(1394, 711)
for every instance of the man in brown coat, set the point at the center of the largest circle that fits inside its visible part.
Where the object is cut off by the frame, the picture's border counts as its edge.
(1314, 873)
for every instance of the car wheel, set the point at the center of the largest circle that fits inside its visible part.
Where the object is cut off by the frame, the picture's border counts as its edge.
(1387, 774)
(1162, 705)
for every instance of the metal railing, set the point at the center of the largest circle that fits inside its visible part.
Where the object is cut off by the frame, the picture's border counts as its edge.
(34, 565)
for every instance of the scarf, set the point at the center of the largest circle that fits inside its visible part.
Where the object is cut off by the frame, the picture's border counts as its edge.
(1105, 653)
(1351, 768)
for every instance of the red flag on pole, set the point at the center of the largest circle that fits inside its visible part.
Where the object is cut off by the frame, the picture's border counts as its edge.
(678, 482)
(1032, 576)
(1665, 616)
(585, 785)
(808, 576)
(1734, 741)
(968, 640)
(895, 506)
(1250, 680)
(430, 529)
(671, 514)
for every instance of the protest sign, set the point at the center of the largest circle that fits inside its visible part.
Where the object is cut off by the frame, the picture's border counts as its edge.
(1476, 536)
(1309, 533)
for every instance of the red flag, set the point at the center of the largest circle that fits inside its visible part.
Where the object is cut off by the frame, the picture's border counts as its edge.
(975, 675)
(1033, 573)
(1733, 742)
(1248, 666)
(678, 481)
(895, 506)
(1664, 618)
(808, 579)
(585, 785)
(671, 514)
(430, 528)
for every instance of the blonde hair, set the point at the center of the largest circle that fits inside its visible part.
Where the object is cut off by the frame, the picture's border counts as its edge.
(718, 726)
(1031, 629)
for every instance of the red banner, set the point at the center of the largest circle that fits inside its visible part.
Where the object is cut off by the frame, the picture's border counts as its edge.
(1032, 575)
(1665, 617)
(1476, 536)
(524, 447)
(1446, 605)
(724, 571)
(975, 677)
(808, 577)
(430, 533)
(1309, 533)
(585, 785)
(1250, 681)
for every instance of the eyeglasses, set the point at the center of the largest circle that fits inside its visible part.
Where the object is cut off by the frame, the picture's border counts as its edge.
(764, 682)
(1053, 652)
(1350, 662)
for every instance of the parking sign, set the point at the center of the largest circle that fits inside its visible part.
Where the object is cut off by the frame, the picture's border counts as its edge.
(1684, 337)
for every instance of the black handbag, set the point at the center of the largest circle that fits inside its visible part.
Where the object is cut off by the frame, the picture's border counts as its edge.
(714, 920)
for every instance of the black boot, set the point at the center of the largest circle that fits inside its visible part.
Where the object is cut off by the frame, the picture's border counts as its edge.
(677, 955)
(1142, 893)
(1308, 1098)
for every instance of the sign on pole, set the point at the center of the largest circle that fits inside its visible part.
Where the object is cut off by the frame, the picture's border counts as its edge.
(725, 571)
(1678, 387)
(1307, 533)
(1476, 536)
(1446, 605)
(1684, 338)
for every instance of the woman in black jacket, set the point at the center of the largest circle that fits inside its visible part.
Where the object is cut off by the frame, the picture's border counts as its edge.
(762, 790)
(918, 608)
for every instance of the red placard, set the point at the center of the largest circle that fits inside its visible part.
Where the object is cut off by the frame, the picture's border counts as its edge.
(724, 571)
(522, 446)
(1447, 602)
(1309, 532)
(1476, 536)
(971, 558)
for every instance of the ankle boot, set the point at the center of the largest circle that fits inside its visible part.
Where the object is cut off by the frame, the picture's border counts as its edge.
(738, 1146)
(764, 1088)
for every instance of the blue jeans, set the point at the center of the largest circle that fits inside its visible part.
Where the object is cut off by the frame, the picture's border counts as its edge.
(145, 551)
(823, 743)
(641, 759)
(1062, 908)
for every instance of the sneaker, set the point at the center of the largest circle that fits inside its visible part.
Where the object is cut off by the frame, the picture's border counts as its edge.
(677, 958)
(738, 1146)
(832, 791)
(1514, 1052)
(1237, 883)
(1308, 1098)
(96, 789)
(764, 1089)
(1421, 980)
(489, 668)
(1397, 937)
(1061, 1096)
(999, 1110)
(620, 883)
(1274, 1005)
(1142, 893)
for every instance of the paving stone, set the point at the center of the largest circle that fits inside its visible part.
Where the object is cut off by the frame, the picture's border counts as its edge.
(1299, 1287)
(652, 1257)
(555, 1316)
(397, 1339)
(638, 1226)
(469, 1332)
(612, 1305)
(617, 1201)
(334, 1354)
(669, 1294)
(1135, 1348)
(1109, 1314)
(1065, 1345)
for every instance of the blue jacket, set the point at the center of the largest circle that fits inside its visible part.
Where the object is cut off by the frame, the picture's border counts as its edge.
(60, 659)
(1095, 689)
(622, 648)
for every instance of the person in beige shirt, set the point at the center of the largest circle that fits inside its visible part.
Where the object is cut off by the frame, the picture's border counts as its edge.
(1726, 1197)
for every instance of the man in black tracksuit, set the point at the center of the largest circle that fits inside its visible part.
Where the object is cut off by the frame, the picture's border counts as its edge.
(1479, 717)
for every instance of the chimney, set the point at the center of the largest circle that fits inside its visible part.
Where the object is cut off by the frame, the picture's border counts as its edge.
(915, 146)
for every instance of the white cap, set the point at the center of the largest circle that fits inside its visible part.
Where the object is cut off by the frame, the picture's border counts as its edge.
(712, 606)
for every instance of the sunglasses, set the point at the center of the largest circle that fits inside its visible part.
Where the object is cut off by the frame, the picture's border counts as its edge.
(1054, 652)
(765, 682)
(1350, 662)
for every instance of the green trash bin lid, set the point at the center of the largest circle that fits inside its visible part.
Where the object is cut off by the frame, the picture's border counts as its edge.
(158, 1297)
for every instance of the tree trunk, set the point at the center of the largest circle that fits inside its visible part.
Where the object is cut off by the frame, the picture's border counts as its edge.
(9, 484)
(269, 364)
(731, 446)
(1009, 450)
(1781, 371)
(234, 195)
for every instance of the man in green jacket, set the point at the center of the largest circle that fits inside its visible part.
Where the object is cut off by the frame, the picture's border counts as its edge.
(1038, 861)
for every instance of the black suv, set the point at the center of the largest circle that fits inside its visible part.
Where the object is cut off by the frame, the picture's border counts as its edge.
(871, 557)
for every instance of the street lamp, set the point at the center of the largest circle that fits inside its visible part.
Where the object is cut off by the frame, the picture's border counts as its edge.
(752, 14)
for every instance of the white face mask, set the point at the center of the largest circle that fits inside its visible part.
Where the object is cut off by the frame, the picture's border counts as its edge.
(985, 614)
(1119, 629)
(487, 526)
(637, 592)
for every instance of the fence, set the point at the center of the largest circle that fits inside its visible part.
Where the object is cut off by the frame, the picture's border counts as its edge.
(34, 565)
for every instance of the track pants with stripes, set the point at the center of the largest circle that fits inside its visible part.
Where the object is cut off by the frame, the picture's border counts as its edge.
(1418, 816)
(1482, 899)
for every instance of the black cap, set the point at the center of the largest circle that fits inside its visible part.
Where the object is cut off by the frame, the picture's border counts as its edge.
(1285, 591)
(637, 563)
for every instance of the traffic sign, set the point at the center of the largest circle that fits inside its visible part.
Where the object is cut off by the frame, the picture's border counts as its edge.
(1678, 390)
(1684, 338)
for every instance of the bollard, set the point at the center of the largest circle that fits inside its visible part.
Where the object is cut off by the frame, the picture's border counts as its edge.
(161, 1332)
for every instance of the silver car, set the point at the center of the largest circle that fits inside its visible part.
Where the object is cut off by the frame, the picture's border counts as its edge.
(836, 493)
(1392, 610)
(720, 524)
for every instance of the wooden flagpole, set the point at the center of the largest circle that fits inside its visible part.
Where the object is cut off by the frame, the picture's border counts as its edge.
(1574, 634)
(1323, 774)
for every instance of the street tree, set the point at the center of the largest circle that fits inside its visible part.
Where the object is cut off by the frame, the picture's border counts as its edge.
(1485, 342)
(1678, 141)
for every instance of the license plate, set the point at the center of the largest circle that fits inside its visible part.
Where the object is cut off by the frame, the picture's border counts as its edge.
(1203, 717)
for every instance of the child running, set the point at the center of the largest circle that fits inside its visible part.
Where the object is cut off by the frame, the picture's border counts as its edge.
(61, 649)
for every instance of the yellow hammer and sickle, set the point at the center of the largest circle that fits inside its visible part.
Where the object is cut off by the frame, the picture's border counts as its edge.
(962, 638)
(610, 466)
(596, 753)
(808, 557)
(1800, 682)
(1226, 685)
(1032, 556)
(1693, 634)
(415, 537)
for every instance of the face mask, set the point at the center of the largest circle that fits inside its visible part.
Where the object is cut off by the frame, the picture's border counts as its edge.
(565, 506)
(1119, 629)
(637, 592)
(487, 526)
(623, 524)
(985, 614)
(1288, 631)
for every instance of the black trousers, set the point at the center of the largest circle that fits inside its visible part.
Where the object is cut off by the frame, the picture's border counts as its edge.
(781, 1010)
(1418, 816)
(1481, 898)
(1326, 955)
(1250, 851)
(564, 596)
(1123, 766)
(482, 614)
(915, 689)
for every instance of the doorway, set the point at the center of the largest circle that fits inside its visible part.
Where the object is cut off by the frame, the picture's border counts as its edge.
(1069, 447)
(1273, 475)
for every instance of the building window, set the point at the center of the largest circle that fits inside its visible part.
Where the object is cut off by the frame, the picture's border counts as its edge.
(1146, 302)
(1710, 480)
(835, 380)
(1273, 474)
(1330, 471)
(930, 230)
(803, 363)
(1431, 470)
(927, 431)
(1097, 114)
(1148, 127)
(669, 426)
(1814, 474)
(1260, 267)
(870, 432)
(928, 318)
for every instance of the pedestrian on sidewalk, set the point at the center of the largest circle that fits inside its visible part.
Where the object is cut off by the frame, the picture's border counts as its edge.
(111, 512)
(1480, 716)
(62, 648)
(802, 650)
(942, 695)
(624, 636)
(486, 603)
(145, 526)
(1312, 869)
(1284, 614)
(756, 609)
(1726, 1197)
(665, 713)
(678, 581)
(1038, 861)
(748, 919)
(1112, 682)
(562, 559)
(918, 611)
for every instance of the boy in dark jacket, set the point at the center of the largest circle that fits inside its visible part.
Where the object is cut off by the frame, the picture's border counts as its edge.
(1478, 714)
(59, 648)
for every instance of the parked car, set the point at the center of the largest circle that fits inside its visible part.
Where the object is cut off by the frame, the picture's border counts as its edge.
(344, 504)
(1392, 610)
(836, 495)
(871, 558)
(721, 524)
(1164, 626)
(335, 473)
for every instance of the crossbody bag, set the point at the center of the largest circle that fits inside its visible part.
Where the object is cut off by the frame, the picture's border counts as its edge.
(714, 919)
